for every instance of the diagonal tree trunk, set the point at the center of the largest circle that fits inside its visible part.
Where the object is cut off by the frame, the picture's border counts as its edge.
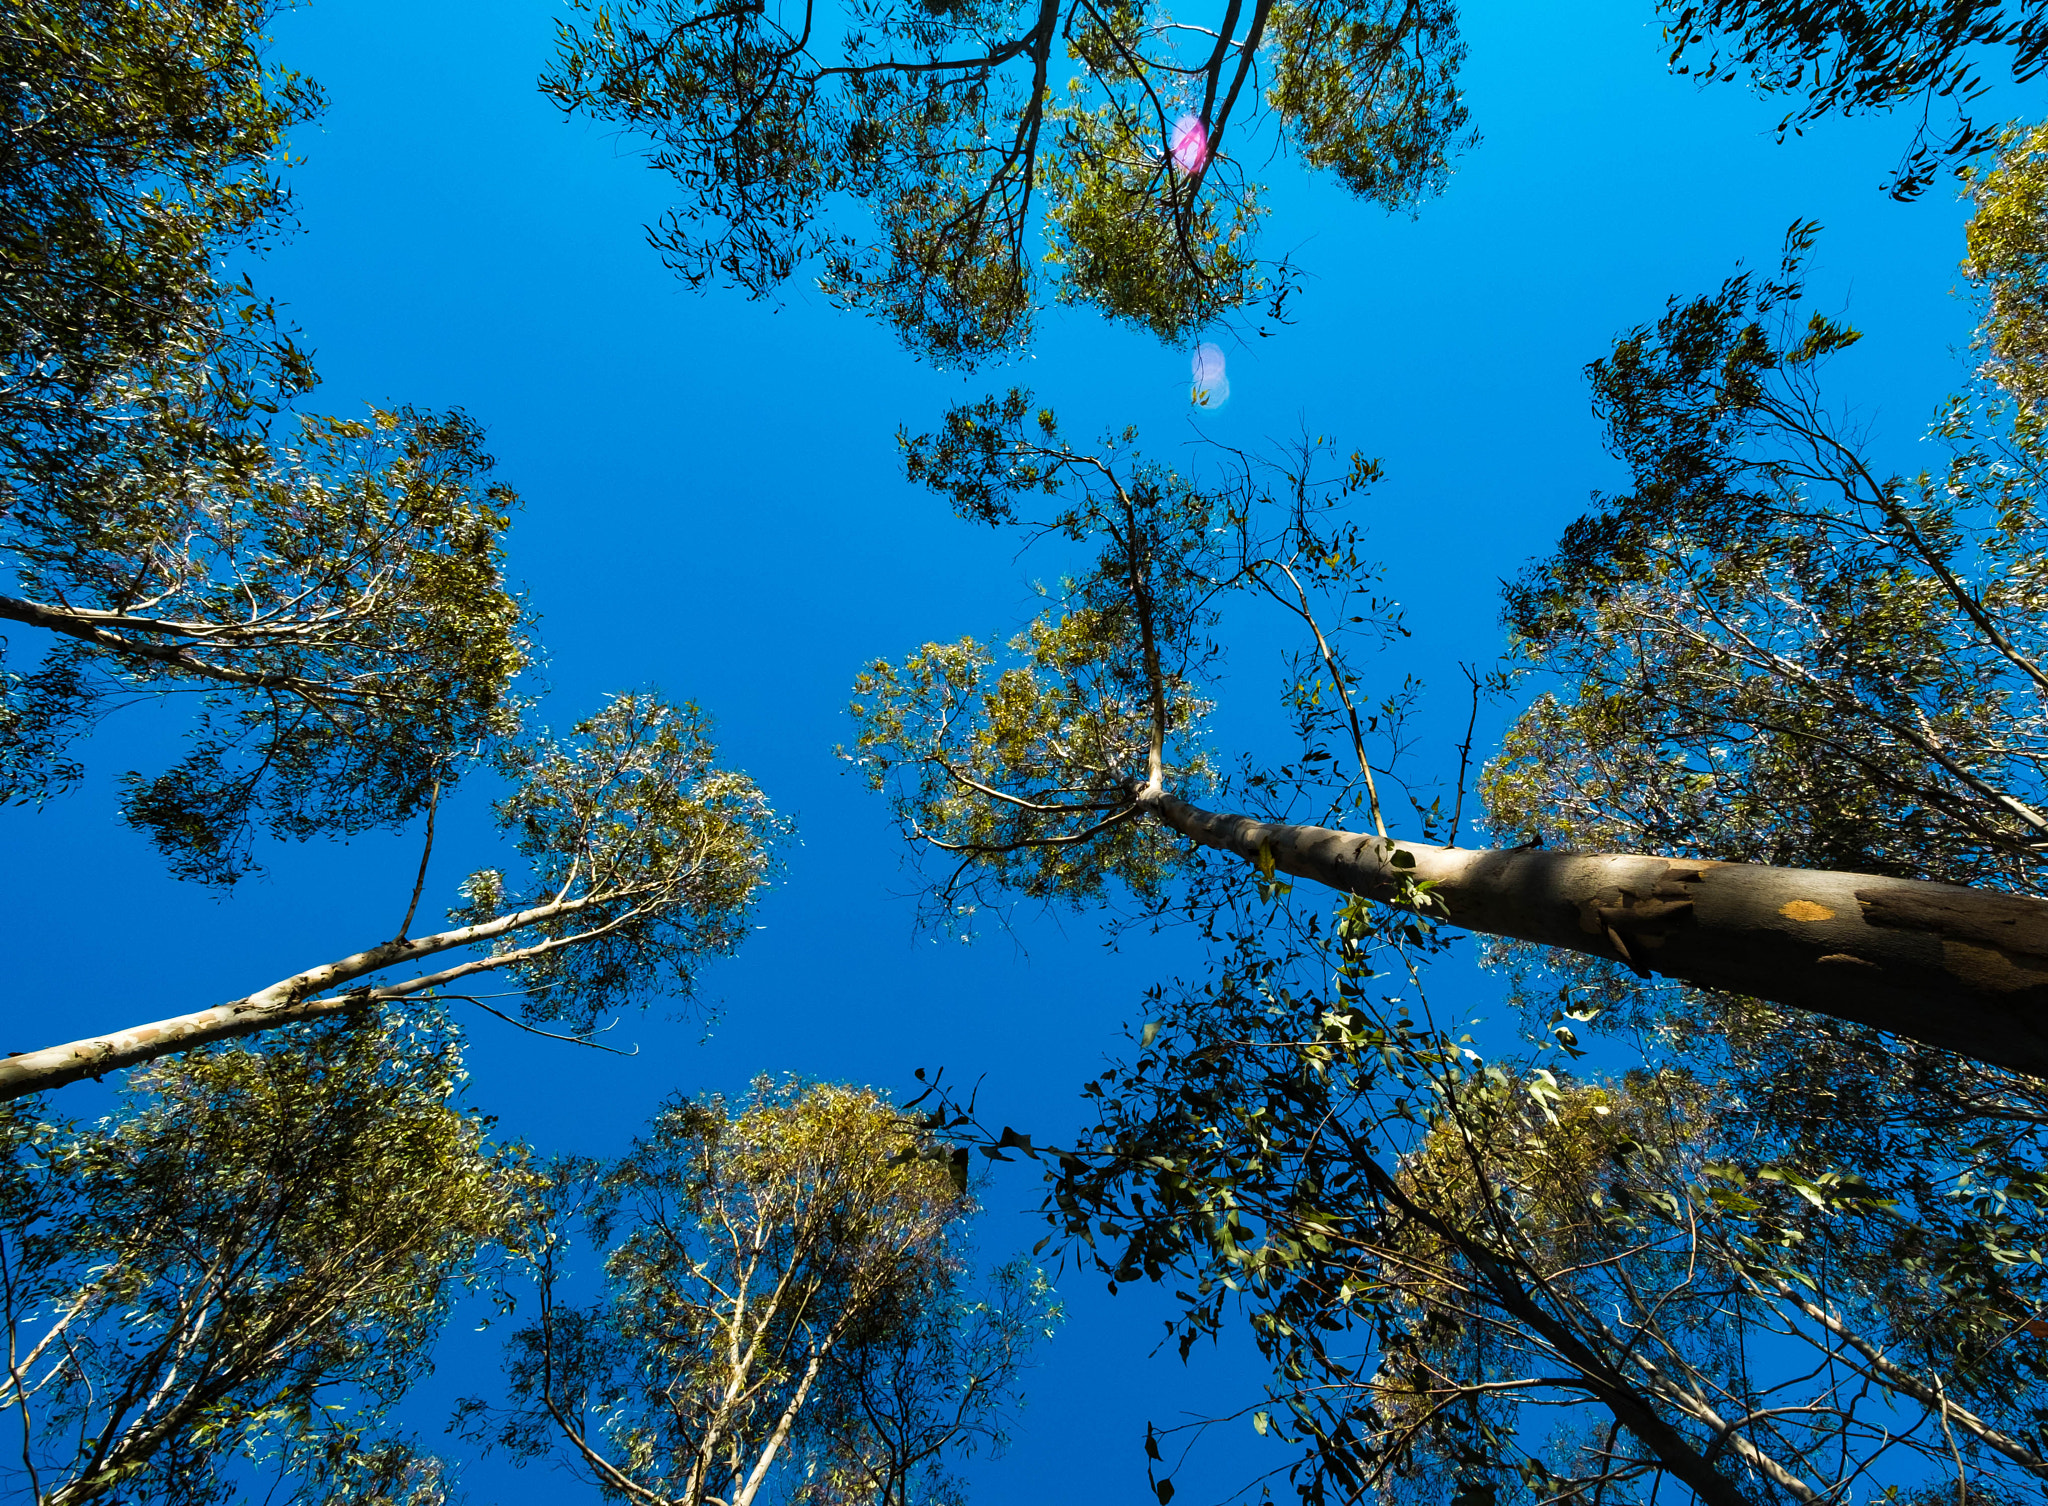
(303, 996)
(1963, 969)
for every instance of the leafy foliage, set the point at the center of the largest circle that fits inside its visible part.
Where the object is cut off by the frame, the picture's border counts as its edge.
(331, 590)
(2007, 241)
(338, 606)
(245, 1265)
(1493, 1279)
(643, 858)
(1792, 1259)
(1772, 650)
(1847, 57)
(783, 1289)
(141, 143)
(957, 127)
(1027, 769)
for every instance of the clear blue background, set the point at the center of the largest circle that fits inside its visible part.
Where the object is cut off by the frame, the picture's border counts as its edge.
(713, 505)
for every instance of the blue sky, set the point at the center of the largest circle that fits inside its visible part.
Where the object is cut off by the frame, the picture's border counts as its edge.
(713, 506)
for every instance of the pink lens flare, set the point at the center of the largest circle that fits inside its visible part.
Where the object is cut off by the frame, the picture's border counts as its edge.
(1212, 387)
(1189, 144)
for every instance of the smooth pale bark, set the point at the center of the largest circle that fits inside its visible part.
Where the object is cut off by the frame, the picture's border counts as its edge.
(97, 628)
(783, 1425)
(290, 1001)
(1963, 969)
(1881, 1369)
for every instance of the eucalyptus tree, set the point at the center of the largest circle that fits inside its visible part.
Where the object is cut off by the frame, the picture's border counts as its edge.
(332, 591)
(1771, 646)
(1067, 767)
(1478, 1279)
(1284, 1139)
(968, 129)
(1479, 1283)
(242, 1268)
(1844, 57)
(337, 605)
(143, 144)
(1768, 647)
(785, 1311)
(640, 859)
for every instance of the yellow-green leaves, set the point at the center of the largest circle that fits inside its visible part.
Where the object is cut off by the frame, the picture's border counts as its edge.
(247, 1261)
(785, 1308)
(653, 853)
(1135, 237)
(1369, 92)
(2008, 258)
(1026, 766)
(339, 603)
(143, 145)
(1007, 153)
(1021, 771)
(1019, 765)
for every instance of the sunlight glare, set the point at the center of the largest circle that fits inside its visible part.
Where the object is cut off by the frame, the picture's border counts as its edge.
(1212, 387)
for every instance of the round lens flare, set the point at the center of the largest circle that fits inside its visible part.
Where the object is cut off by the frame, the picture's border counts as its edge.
(1212, 387)
(1189, 144)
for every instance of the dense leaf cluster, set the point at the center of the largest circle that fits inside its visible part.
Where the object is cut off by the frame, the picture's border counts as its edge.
(970, 129)
(141, 144)
(784, 1311)
(244, 1267)
(336, 606)
(1850, 56)
(643, 860)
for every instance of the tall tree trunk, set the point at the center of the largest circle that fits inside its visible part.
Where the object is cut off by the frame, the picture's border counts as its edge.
(1964, 969)
(783, 1425)
(290, 1001)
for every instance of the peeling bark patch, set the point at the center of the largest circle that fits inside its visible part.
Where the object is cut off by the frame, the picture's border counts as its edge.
(2011, 922)
(1993, 969)
(1806, 909)
(1843, 958)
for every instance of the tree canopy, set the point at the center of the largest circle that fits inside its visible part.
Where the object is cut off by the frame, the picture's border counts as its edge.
(642, 858)
(1775, 650)
(1848, 58)
(1495, 1280)
(1788, 1261)
(331, 591)
(246, 1266)
(1773, 829)
(974, 134)
(785, 1312)
(141, 145)
(1074, 770)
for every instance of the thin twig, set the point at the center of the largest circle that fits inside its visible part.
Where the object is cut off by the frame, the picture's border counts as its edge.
(574, 1040)
(419, 884)
(1465, 752)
